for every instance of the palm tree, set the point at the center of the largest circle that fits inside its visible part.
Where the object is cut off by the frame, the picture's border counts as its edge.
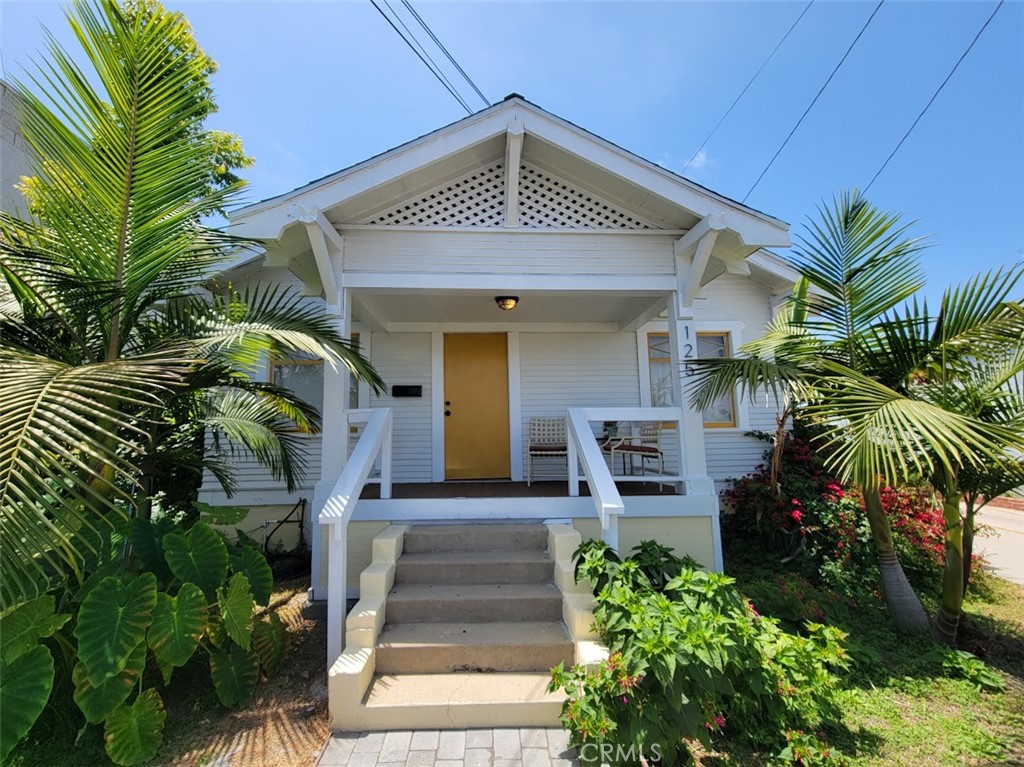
(856, 264)
(110, 314)
(949, 410)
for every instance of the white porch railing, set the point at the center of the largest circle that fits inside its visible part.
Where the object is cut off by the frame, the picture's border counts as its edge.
(375, 440)
(583, 450)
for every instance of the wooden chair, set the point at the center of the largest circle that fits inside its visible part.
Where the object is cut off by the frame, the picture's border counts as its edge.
(646, 445)
(547, 440)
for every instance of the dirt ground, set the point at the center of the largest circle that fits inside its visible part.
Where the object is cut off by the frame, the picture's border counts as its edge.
(285, 722)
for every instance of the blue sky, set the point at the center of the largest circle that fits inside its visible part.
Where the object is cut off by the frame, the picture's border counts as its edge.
(315, 86)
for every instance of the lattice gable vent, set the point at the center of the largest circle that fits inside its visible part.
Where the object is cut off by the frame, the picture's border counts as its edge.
(546, 201)
(473, 199)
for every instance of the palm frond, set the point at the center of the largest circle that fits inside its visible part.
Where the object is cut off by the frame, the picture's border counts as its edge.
(63, 427)
(861, 263)
(247, 327)
(876, 432)
(255, 424)
(125, 176)
(753, 377)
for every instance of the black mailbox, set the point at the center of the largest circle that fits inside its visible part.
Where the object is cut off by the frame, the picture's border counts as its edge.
(406, 391)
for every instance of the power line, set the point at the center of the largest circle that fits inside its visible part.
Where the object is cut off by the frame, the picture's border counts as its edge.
(444, 50)
(745, 88)
(814, 100)
(421, 56)
(935, 95)
(433, 64)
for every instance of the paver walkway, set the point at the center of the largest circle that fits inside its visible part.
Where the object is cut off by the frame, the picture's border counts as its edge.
(527, 747)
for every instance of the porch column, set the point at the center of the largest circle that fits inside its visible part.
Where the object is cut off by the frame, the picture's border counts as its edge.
(682, 334)
(334, 438)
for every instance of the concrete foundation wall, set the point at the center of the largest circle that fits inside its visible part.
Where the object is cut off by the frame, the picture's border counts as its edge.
(687, 535)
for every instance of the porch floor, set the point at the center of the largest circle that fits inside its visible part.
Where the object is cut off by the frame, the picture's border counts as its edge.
(504, 489)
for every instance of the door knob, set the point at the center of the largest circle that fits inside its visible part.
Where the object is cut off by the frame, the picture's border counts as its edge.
(447, 403)
(447, 412)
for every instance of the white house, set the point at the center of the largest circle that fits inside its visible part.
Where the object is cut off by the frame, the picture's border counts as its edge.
(619, 272)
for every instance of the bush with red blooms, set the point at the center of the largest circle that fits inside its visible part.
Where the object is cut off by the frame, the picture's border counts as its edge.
(818, 526)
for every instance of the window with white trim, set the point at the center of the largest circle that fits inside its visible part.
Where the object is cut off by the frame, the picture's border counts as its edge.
(722, 413)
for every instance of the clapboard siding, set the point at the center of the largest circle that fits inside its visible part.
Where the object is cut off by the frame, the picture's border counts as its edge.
(405, 358)
(507, 253)
(251, 476)
(731, 299)
(561, 370)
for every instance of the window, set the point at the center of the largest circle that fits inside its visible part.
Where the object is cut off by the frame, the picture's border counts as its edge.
(722, 413)
(305, 377)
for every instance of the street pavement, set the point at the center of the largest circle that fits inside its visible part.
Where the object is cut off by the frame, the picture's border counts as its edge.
(1003, 546)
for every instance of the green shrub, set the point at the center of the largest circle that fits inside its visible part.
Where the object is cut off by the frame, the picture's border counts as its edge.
(691, 659)
(817, 526)
(960, 664)
(132, 622)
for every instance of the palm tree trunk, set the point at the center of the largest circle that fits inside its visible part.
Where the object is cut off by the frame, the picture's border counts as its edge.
(948, 618)
(907, 613)
(970, 501)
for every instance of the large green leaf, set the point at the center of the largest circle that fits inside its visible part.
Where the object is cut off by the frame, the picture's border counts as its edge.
(236, 609)
(23, 627)
(145, 537)
(133, 734)
(178, 624)
(254, 565)
(112, 622)
(270, 640)
(235, 674)
(200, 557)
(98, 701)
(25, 687)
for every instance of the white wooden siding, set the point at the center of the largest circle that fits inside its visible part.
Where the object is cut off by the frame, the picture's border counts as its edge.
(252, 477)
(731, 298)
(508, 253)
(404, 358)
(561, 370)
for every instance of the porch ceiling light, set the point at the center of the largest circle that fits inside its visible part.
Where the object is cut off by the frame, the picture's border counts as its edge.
(506, 303)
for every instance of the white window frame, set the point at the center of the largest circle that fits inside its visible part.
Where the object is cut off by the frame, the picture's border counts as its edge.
(735, 331)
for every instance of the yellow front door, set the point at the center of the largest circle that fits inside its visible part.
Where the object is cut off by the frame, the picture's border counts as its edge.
(476, 440)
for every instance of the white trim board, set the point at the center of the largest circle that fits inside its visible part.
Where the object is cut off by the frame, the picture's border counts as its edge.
(484, 509)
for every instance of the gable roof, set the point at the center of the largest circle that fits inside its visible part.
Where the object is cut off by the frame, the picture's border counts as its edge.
(637, 183)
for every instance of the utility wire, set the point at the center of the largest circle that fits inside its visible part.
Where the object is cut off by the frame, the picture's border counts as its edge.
(815, 99)
(444, 50)
(421, 56)
(935, 95)
(745, 88)
(433, 64)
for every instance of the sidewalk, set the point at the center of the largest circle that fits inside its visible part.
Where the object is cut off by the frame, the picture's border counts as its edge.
(527, 747)
(1003, 546)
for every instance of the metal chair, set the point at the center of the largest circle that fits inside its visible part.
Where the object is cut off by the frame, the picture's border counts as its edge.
(645, 445)
(547, 440)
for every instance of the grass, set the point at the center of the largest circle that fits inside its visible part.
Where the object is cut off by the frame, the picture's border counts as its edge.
(900, 707)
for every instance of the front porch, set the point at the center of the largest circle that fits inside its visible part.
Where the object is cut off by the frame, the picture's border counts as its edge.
(502, 489)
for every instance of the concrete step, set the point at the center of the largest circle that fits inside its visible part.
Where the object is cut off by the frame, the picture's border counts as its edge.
(439, 567)
(435, 648)
(459, 701)
(476, 537)
(473, 603)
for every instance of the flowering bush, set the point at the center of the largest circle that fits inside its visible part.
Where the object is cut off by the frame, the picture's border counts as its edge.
(818, 524)
(690, 660)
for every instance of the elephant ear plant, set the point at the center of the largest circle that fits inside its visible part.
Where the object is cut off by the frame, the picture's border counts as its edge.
(197, 596)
